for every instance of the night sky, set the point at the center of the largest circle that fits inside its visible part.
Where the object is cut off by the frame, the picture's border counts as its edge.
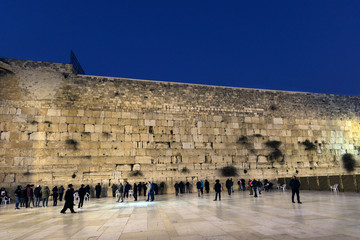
(307, 45)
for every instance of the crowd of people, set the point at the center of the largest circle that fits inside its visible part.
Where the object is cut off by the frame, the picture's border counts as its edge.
(29, 197)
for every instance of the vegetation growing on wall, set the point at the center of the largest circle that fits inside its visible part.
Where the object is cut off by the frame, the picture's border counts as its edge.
(276, 153)
(348, 162)
(309, 145)
(72, 143)
(185, 170)
(228, 171)
(136, 173)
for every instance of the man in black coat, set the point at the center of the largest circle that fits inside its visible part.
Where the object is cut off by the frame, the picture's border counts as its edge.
(135, 191)
(82, 193)
(228, 186)
(295, 187)
(217, 188)
(69, 200)
(98, 190)
(176, 186)
(207, 186)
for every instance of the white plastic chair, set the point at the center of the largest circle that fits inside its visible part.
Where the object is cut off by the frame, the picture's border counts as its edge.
(87, 197)
(282, 187)
(76, 196)
(334, 188)
(131, 193)
(5, 200)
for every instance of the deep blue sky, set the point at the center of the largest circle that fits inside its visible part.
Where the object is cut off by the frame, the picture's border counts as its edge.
(306, 45)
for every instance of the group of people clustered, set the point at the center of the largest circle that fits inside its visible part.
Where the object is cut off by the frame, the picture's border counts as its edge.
(25, 196)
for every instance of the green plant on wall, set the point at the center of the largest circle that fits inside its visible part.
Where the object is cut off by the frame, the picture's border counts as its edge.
(276, 153)
(348, 162)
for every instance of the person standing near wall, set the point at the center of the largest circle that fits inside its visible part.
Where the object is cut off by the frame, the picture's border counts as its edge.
(198, 186)
(55, 195)
(217, 188)
(121, 192)
(17, 196)
(61, 193)
(295, 187)
(207, 186)
(135, 191)
(228, 186)
(37, 193)
(98, 190)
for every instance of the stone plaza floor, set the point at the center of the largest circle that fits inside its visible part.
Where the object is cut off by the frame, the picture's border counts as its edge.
(323, 215)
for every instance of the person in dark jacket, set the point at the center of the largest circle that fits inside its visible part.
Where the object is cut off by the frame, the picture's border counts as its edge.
(69, 200)
(217, 188)
(228, 186)
(23, 197)
(135, 191)
(17, 196)
(114, 188)
(144, 188)
(295, 187)
(182, 187)
(207, 186)
(55, 195)
(30, 195)
(140, 187)
(61, 192)
(121, 191)
(37, 193)
(243, 184)
(255, 186)
(198, 186)
(176, 186)
(187, 184)
(82, 193)
(126, 190)
(98, 190)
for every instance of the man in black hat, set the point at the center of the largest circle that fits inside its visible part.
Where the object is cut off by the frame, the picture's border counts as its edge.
(295, 187)
(82, 193)
(69, 200)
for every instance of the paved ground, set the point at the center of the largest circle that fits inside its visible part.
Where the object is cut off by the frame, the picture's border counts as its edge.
(323, 215)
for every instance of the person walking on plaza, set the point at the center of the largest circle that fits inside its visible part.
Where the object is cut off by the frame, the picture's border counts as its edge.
(207, 186)
(37, 193)
(69, 200)
(202, 187)
(55, 195)
(295, 187)
(98, 190)
(239, 183)
(61, 193)
(135, 191)
(228, 186)
(149, 186)
(217, 188)
(176, 186)
(121, 192)
(82, 193)
(45, 193)
(17, 196)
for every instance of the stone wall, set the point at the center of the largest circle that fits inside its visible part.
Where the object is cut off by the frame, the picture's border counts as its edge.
(58, 127)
